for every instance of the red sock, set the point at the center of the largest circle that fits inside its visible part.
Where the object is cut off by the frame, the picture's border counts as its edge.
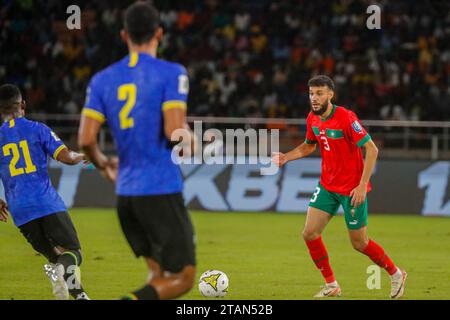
(319, 255)
(376, 253)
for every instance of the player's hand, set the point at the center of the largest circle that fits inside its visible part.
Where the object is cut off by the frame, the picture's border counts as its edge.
(279, 159)
(85, 160)
(3, 211)
(111, 169)
(358, 195)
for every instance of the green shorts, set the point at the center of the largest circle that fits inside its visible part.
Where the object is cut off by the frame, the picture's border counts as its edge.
(355, 218)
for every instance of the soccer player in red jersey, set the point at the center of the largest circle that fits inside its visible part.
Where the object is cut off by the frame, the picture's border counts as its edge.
(345, 181)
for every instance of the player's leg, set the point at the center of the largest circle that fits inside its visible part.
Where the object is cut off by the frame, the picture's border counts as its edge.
(169, 249)
(323, 206)
(59, 229)
(33, 232)
(137, 238)
(316, 221)
(356, 219)
(178, 255)
(35, 235)
(155, 276)
(164, 285)
(156, 273)
(167, 285)
(154, 268)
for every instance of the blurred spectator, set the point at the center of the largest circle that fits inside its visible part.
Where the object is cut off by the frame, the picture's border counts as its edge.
(245, 58)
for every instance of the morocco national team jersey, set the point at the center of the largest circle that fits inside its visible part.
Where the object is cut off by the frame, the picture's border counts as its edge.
(131, 95)
(24, 149)
(340, 137)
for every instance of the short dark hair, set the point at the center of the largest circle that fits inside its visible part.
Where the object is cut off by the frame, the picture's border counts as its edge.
(141, 20)
(9, 97)
(321, 80)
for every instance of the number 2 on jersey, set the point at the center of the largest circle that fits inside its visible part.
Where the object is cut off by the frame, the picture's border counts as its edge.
(127, 92)
(12, 148)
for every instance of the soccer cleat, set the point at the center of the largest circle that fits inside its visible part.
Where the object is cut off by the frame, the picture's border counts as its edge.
(56, 277)
(329, 291)
(82, 296)
(398, 285)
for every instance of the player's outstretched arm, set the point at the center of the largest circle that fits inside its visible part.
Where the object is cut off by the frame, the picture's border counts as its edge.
(87, 141)
(71, 158)
(177, 130)
(303, 150)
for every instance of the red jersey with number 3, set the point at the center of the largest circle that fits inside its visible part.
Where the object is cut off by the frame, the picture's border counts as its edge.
(340, 137)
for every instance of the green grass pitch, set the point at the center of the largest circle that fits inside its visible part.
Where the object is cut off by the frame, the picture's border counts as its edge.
(262, 254)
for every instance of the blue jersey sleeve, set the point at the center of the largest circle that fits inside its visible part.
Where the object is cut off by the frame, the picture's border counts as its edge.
(93, 106)
(176, 88)
(50, 142)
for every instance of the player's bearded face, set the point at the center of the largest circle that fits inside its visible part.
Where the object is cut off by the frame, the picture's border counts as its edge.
(319, 98)
(319, 108)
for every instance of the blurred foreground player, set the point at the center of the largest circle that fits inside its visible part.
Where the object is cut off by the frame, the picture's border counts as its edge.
(143, 99)
(35, 206)
(344, 181)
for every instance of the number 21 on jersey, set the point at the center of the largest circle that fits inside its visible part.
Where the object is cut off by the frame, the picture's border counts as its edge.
(12, 149)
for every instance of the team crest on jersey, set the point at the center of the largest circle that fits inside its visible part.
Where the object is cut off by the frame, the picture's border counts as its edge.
(183, 84)
(55, 136)
(357, 127)
(88, 94)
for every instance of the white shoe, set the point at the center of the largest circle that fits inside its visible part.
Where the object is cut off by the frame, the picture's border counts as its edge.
(398, 285)
(82, 296)
(329, 291)
(55, 273)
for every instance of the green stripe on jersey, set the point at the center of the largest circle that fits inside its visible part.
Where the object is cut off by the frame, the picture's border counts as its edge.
(335, 133)
(363, 141)
(316, 131)
(310, 141)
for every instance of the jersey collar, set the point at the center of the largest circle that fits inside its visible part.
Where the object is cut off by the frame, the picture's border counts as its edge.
(14, 118)
(134, 57)
(330, 115)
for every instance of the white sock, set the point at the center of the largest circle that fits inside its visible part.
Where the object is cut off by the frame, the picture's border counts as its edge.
(397, 274)
(332, 284)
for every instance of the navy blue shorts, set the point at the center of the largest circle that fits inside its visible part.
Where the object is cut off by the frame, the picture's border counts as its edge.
(158, 227)
(54, 230)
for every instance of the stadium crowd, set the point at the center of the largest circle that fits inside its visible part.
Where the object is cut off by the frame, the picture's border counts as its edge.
(247, 58)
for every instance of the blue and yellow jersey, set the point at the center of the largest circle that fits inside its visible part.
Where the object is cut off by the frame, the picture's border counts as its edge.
(131, 96)
(24, 149)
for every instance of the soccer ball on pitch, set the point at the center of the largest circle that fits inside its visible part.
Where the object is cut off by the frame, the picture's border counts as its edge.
(213, 283)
